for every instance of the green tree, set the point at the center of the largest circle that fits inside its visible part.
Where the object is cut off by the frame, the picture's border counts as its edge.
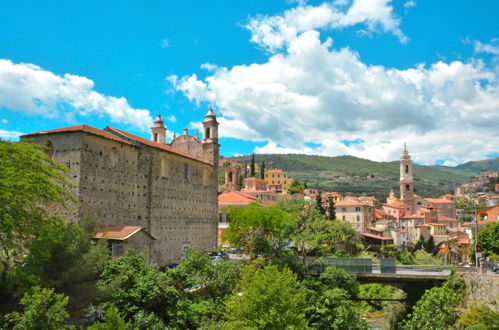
(344, 238)
(331, 209)
(42, 309)
(336, 278)
(318, 202)
(30, 184)
(296, 186)
(333, 310)
(262, 171)
(112, 321)
(64, 255)
(329, 300)
(267, 298)
(420, 243)
(132, 285)
(257, 230)
(252, 166)
(438, 307)
(479, 317)
(429, 246)
(310, 232)
(488, 238)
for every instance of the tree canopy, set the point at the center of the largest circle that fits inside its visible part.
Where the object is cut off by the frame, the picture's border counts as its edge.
(30, 184)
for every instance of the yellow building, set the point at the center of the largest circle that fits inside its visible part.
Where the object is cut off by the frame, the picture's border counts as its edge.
(278, 181)
(359, 215)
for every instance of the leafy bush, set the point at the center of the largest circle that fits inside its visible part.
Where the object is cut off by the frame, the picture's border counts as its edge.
(112, 321)
(479, 318)
(43, 309)
(437, 308)
(267, 298)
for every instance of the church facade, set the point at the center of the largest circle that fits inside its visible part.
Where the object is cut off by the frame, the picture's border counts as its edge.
(123, 180)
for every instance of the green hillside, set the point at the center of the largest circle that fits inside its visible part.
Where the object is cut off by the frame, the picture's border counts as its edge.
(476, 166)
(362, 175)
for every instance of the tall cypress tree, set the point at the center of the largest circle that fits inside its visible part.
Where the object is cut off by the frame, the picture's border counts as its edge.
(318, 201)
(252, 165)
(262, 170)
(331, 210)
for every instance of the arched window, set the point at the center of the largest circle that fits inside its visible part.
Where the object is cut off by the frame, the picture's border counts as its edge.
(207, 133)
(407, 187)
(49, 149)
(231, 178)
(406, 168)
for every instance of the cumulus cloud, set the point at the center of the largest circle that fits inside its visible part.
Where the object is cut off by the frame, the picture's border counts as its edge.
(491, 48)
(4, 121)
(30, 89)
(276, 32)
(310, 92)
(9, 135)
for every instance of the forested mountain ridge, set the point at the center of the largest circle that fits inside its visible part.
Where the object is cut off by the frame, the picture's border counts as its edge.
(348, 174)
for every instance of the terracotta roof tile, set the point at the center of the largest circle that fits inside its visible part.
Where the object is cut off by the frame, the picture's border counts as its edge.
(350, 202)
(80, 128)
(377, 236)
(438, 201)
(117, 232)
(150, 143)
(235, 198)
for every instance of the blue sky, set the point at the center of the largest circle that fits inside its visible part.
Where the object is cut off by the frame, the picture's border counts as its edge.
(283, 76)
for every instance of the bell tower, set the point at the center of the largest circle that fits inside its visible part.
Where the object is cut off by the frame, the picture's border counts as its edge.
(210, 138)
(406, 182)
(158, 130)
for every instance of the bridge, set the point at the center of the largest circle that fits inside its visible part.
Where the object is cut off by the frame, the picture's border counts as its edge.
(414, 280)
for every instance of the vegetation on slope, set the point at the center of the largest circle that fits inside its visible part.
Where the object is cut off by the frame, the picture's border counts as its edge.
(362, 176)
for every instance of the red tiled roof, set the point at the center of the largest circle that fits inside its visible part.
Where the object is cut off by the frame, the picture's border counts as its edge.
(351, 202)
(436, 224)
(439, 201)
(423, 225)
(412, 217)
(81, 128)
(117, 232)
(393, 206)
(446, 219)
(235, 198)
(377, 237)
(153, 144)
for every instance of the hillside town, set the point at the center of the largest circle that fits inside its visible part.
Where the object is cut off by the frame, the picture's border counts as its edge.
(400, 222)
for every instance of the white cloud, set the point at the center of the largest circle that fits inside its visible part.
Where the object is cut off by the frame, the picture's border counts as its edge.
(491, 48)
(4, 121)
(276, 32)
(409, 4)
(9, 135)
(165, 43)
(171, 118)
(30, 89)
(312, 92)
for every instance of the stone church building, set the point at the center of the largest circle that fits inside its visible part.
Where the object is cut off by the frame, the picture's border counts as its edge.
(126, 182)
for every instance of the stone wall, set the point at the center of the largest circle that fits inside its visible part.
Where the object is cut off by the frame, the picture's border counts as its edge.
(174, 198)
(482, 289)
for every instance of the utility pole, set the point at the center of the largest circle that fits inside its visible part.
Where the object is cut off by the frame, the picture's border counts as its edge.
(478, 250)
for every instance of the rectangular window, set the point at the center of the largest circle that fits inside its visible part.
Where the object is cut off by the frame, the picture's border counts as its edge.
(186, 173)
(343, 209)
(357, 209)
(358, 218)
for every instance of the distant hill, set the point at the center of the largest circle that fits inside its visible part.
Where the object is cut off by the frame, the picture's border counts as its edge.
(476, 166)
(322, 172)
